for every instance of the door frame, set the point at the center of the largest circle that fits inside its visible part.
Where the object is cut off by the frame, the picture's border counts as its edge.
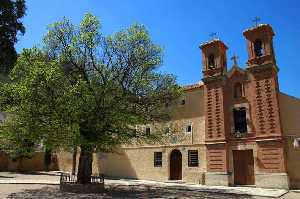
(171, 166)
(247, 158)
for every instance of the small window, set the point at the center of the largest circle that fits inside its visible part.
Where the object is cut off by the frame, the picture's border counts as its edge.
(157, 159)
(240, 120)
(211, 61)
(135, 132)
(148, 131)
(183, 102)
(193, 158)
(238, 90)
(258, 49)
(188, 128)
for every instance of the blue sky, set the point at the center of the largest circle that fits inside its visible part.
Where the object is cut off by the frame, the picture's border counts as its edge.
(179, 26)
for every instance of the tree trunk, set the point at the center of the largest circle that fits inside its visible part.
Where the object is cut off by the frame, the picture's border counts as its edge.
(85, 164)
(20, 164)
(47, 159)
(74, 160)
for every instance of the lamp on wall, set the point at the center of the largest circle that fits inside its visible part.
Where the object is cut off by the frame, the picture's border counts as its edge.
(296, 143)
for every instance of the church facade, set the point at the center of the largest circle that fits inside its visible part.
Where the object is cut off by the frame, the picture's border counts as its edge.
(237, 127)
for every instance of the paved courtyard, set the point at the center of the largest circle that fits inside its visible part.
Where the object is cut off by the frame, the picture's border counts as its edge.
(113, 189)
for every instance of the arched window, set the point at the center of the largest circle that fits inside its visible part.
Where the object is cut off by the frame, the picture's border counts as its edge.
(238, 90)
(258, 49)
(211, 61)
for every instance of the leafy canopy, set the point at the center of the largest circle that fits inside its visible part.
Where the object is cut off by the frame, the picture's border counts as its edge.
(11, 12)
(84, 88)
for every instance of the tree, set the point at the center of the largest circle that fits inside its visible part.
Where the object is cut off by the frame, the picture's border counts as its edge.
(10, 25)
(28, 121)
(89, 90)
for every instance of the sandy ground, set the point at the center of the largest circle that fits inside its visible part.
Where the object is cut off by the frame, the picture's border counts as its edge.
(38, 191)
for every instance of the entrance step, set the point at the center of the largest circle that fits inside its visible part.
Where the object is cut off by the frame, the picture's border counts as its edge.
(175, 181)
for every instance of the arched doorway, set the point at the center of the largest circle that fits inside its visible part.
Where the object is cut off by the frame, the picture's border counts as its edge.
(175, 165)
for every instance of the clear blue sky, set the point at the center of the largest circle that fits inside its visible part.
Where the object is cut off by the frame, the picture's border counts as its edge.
(181, 25)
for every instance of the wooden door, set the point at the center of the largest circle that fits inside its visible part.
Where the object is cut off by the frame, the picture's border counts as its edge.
(243, 163)
(176, 165)
(3, 161)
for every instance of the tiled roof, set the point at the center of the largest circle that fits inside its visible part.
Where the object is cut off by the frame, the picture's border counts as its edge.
(193, 86)
(210, 41)
(256, 27)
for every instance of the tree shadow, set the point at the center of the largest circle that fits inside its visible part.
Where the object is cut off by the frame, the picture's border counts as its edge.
(37, 173)
(123, 191)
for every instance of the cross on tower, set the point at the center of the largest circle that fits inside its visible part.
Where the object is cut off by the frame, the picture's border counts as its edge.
(234, 58)
(213, 35)
(256, 20)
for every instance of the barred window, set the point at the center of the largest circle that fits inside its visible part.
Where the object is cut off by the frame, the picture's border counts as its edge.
(193, 158)
(157, 159)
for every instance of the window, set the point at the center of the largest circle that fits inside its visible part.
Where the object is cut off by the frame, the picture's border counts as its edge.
(193, 158)
(238, 90)
(240, 120)
(183, 102)
(148, 131)
(157, 159)
(188, 128)
(211, 61)
(258, 50)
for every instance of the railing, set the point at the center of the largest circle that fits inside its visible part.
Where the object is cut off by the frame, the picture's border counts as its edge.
(72, 178)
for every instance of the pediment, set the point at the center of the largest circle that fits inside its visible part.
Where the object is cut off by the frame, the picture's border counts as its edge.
(235, 70)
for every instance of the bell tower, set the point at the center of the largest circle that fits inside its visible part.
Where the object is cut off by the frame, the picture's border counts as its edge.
(214, 70)
(260, 45)
(264, 100)
(214, 58)
(264, 80)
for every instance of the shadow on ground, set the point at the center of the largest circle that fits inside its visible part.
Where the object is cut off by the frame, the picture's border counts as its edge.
(6, 176)
(122, 192)
(38, 173)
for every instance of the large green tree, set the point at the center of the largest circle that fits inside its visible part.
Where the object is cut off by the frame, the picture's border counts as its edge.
(89, 90)
(11, 12)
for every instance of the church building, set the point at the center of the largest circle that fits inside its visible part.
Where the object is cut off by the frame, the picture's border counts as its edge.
(237, 127)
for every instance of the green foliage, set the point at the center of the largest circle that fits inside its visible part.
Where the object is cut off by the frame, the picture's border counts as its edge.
(11, 11)
(86, 89)
(37, 104)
